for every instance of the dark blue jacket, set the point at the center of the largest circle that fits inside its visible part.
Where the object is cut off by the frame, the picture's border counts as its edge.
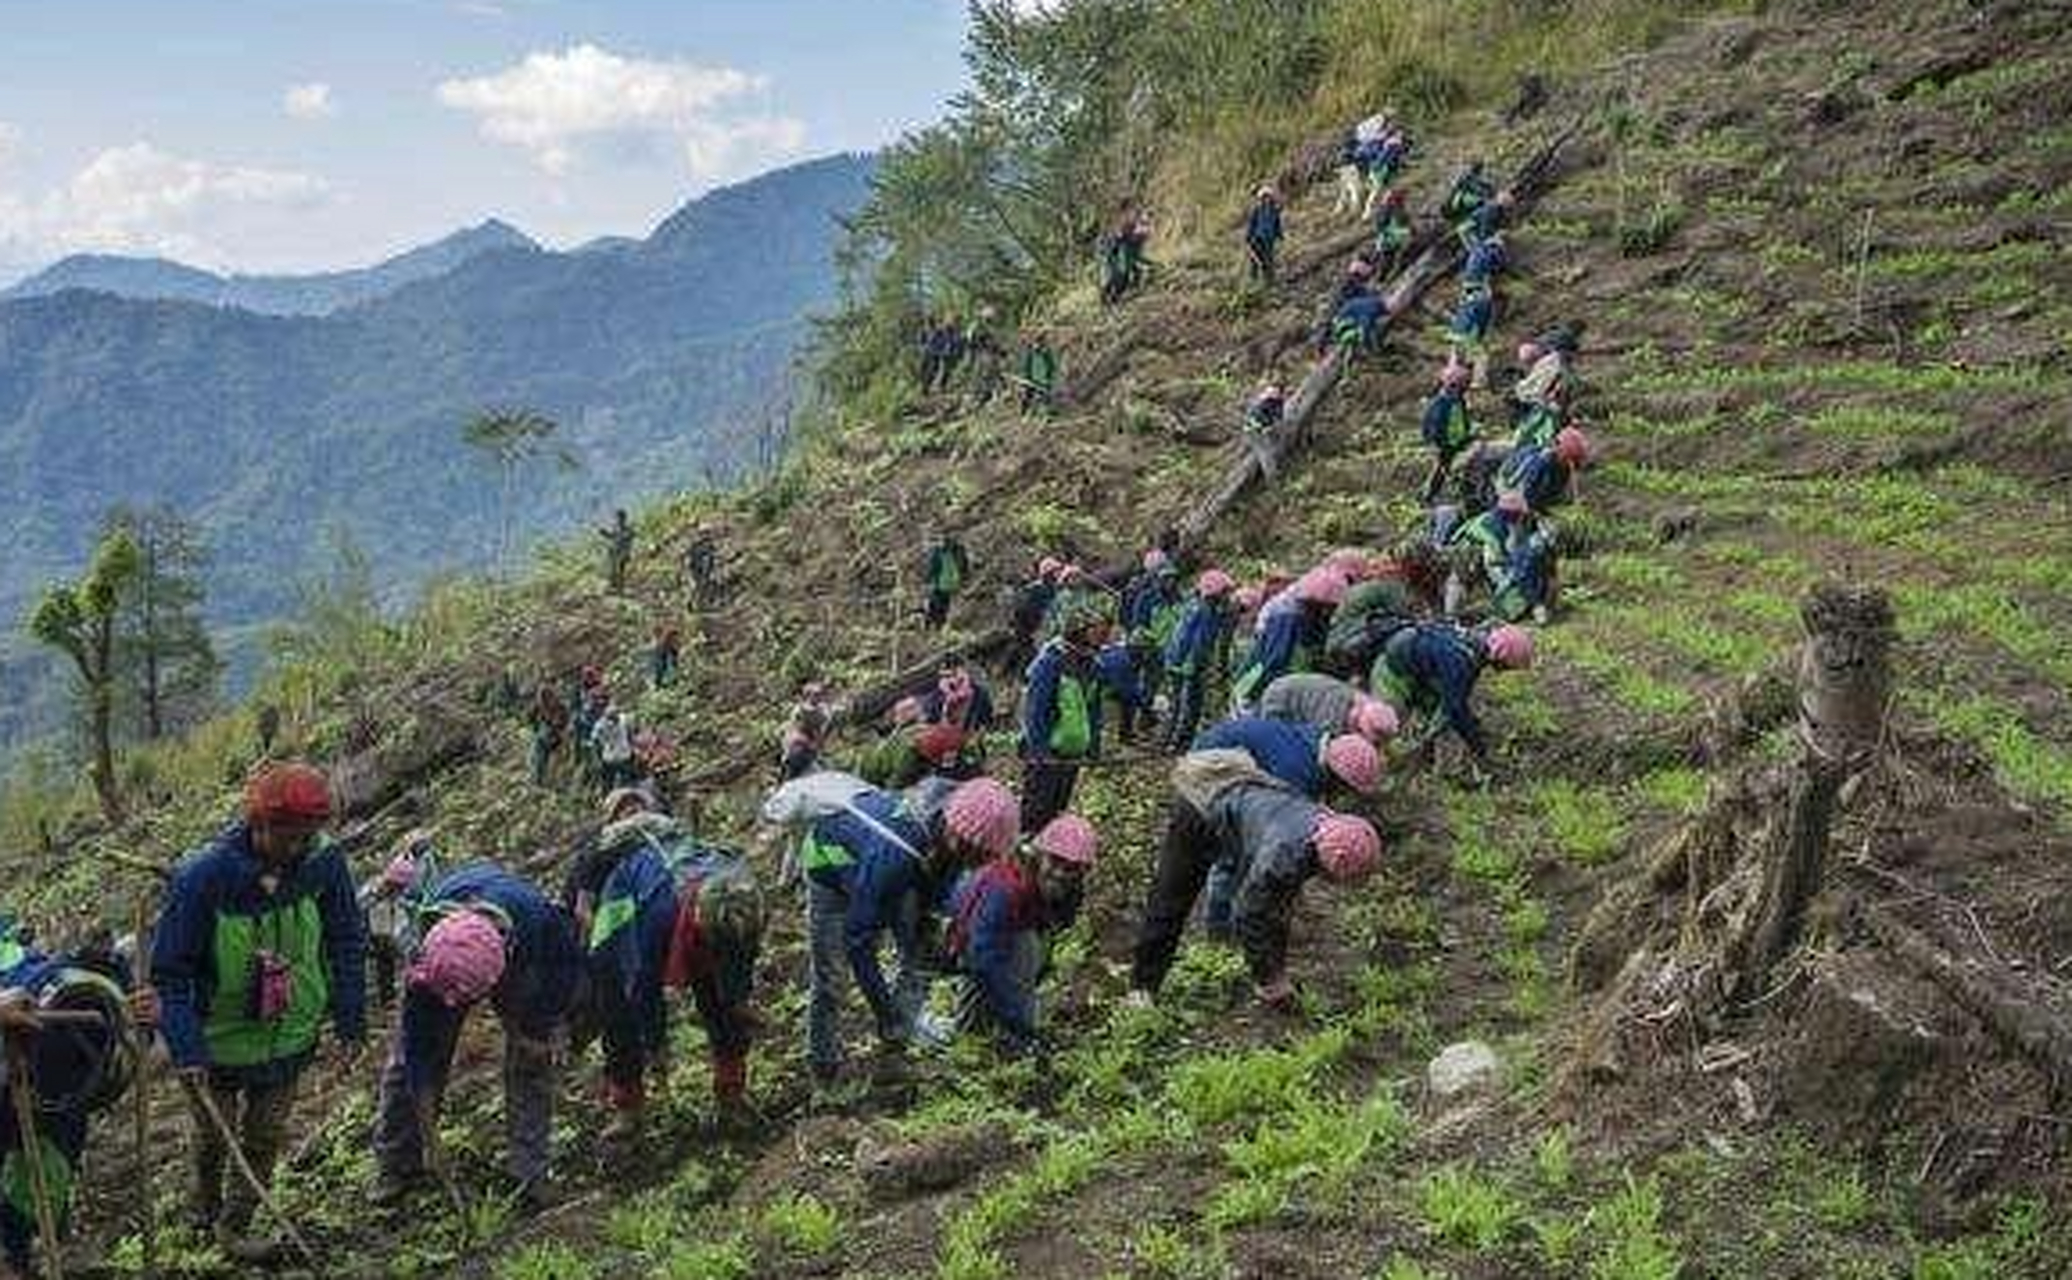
(1486, 260)
(1287, 633)
(1054, 665)
(1365, 312)
(61, 1063)
(543, 970)
(876, 876)
(626, 962)
(1471, 319)
(1263, 227)
(1438, 665)
(223, 877)
(1445, 424)
(1289, 751)
(1202, 628)
(990, 910)
(1116, 668)
(1147, 596)
(1487, 220)
(1540, 476)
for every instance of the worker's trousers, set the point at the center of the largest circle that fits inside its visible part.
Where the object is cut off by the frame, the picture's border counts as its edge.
(828, 975)
(401, 1119)
(259, 1117)
(1189, 850)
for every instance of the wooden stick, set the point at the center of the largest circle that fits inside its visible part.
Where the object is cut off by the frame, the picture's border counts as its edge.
(24, 1090)
(141, 1086)
(243, 1165)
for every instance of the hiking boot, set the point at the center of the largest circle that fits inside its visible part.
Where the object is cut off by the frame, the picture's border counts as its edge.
(392, 1189)
(250, 1248)
(528, 1196)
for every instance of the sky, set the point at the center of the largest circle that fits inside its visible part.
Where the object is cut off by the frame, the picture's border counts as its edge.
(296, 135)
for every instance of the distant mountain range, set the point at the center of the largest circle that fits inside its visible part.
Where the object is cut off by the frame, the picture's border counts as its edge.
(157, 279)
(660, 358)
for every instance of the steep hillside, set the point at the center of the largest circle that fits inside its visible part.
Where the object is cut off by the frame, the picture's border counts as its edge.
(1825, 337)
(319, 293)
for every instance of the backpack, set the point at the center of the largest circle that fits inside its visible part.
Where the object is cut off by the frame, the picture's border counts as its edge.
(805, 801)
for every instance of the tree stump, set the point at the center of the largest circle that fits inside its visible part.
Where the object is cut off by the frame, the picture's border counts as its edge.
(1844, 682)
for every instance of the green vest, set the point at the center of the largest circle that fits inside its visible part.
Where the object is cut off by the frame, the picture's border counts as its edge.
(1072, 735)
(293, 931)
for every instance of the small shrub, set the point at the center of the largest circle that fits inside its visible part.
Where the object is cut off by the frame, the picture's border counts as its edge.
(1842, 1202)
(720, 1260)
(1585, 823)
(1553, 1162)
(550, 1261)
(1467, 1209)
(803, 1224)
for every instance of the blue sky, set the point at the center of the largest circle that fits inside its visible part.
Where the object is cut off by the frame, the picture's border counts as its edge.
(272, 135)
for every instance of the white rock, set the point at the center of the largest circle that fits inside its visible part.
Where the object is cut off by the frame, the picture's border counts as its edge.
(1460, 1067)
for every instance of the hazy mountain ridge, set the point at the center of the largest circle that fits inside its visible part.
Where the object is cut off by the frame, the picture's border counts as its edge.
(659, 359)
(317, 293)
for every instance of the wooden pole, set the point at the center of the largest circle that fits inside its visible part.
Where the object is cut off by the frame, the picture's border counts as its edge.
(141, 1086)
(24, 1090)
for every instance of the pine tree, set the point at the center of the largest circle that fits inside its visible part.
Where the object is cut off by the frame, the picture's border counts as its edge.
(512, 440)
(166, 665)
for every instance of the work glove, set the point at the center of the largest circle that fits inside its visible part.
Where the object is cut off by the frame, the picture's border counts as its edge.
(932, 1031)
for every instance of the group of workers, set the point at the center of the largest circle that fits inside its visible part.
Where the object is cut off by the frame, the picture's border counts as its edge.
(262, 940)
(948, 347)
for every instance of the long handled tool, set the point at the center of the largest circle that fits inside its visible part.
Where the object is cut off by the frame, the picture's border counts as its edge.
(141, 1087)
(245, 1170)
(24, 1091)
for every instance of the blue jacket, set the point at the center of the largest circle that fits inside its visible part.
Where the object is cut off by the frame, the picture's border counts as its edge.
(1054, 669)
(1540, 476)
(60, 1063)
(1487, 220)
(1202, 628)
(543, 970)
(1364, 312)
(1263, 226)
(1471, 320)
(1436, 666)
(1289, 751)
(1264, 833)
(1289, 640)
(1148, 596)
(990, 910)
(1445, 425)
(1486, 259)
(1116, 668)
(876, 876)
(222, 879)
(627, 958)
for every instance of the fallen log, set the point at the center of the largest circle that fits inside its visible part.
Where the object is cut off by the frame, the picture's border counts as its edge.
(1987, 989)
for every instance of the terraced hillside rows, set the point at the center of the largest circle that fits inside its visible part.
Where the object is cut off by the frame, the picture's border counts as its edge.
(1821, 257)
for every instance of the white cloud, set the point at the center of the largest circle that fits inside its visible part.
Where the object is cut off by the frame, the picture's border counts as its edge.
(10, 141)
(311, 101)
(139, 199)
(551, 103)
